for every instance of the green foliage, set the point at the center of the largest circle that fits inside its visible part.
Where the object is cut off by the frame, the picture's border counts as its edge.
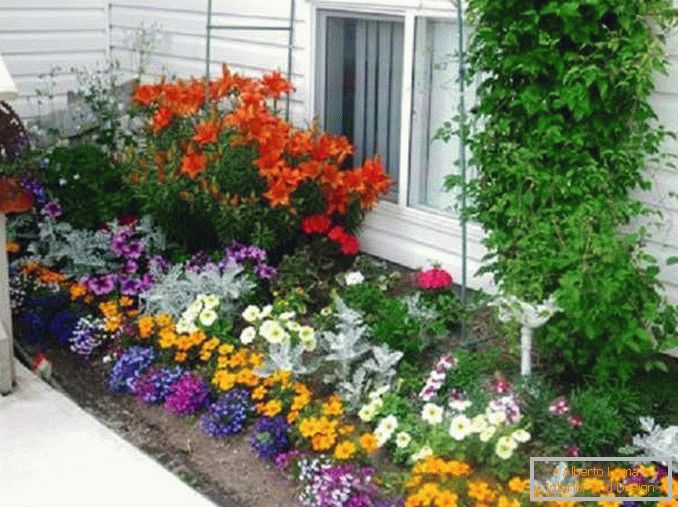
(567, 131)
(88, 185)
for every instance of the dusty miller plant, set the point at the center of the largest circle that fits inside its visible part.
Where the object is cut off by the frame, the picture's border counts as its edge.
(173, 291)
(285, 356)
(355, 365)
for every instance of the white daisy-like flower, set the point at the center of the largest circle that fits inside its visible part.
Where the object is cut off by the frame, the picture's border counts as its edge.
(248, 335)
(367, 412)
(382, 436)
(389, 423)
(378, 393)
(505, 447)
(354, 278)
(459, 405)
(521, 436)
(496, 418)
(195, 307)
(487, 434)
(251, 313)
(293, 325)
(310, 345)
(207, 317)
(273, 332)
(306, 333)
(460, 427)
(266, 311)
(286, 316)
(432, 413)
(326, 312)
(422, 453)
(402, 440)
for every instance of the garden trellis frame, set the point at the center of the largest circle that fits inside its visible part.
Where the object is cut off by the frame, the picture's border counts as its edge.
(209, 27)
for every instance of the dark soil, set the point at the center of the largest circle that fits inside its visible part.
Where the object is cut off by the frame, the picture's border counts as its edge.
(225, 470)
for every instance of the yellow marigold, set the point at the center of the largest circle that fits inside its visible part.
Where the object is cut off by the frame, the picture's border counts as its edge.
(272, 408)
(456, 468)
(414, 501)
(322, 442)
(282, 377)
(505, 501)
(259, 393)
(309, 427)
(166, 338)
(449, 499)
(292, 417)
(145, 325)
(113, 323)
(109, 308)
(481, 491)
(13, 247)
(225, 349)
(413, 481)
(346, 429)
(670, 503)
(345, 450)
(256, 360)
(180, 357)
(164, 320)
(428, 492)
(125, 301)
(78, 290)
(647, 470)
(224, 380)
(327, 426)
(368, 442)
(518, 485)
(247, 378)
(132, 313)
(333, 406)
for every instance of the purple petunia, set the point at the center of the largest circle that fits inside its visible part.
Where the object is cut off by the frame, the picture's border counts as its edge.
(155, 384)
(187, 395)
(52, 210)
(340, 486)
(131, 364)
(130, 286)
(100, 285)
(228, 415)
(133, 249)
(270, 436)
(265, 271)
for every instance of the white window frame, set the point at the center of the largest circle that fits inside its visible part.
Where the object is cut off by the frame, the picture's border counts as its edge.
(396, 231)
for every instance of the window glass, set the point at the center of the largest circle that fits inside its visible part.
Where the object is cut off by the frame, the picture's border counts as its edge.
(363, 86)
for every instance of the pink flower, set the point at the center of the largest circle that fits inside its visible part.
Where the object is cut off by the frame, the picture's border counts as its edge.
(501, 386)
(559, 406)
(572, 451)
(434, 278)
(576, 420)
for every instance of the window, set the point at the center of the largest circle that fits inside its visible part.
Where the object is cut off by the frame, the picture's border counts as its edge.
(362, 77)
(435, 100)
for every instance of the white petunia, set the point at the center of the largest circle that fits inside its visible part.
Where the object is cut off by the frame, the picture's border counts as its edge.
(293, 326)
(389, 423)
(248, 335)
(422, 453)
(505, 447)
(378, 393)
(367, 412)
(207, 317)
(432, 413)
(459, 405)
(460, 427)
(211, 301)
(185, 327)
(382, 436)
(402, 439)
(326, 311)
(273, 332)
(306, 333)
(487, 433)
(251, 313)
(310, 345)
(354, 278)
(521, 436)
(496, 418)
(286, 316)
(266, 311)
(479, 423)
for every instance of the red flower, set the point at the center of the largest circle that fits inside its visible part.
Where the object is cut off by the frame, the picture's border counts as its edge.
(337, 234)
(349, 245)
(316, 224)
(434, 278)
(206, 133)
(193, 164)
(161, 119)
(576, 421)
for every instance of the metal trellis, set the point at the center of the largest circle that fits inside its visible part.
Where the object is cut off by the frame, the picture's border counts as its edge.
(289, 28)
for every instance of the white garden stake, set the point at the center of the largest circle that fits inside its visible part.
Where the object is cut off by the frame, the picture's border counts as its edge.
(531, 316)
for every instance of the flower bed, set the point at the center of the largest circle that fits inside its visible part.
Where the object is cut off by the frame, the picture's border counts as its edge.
(347, 375)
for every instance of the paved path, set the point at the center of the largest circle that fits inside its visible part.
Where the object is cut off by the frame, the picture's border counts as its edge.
(54, 454)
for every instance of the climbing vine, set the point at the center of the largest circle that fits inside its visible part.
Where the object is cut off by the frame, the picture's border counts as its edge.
(567, 132)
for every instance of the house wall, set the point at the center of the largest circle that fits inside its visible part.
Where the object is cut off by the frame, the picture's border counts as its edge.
(37, 34)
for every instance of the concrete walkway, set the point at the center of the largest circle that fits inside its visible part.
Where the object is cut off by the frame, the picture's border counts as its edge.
(52, 453)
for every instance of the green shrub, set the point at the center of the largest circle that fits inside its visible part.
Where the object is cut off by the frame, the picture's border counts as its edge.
(567, 131)
(88, 185)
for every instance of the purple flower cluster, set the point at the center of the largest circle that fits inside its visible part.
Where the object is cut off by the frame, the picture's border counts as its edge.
(437, 376)
(270, 436)
(187, 395)
(130, 365)
(250, 255)
(155, 384)
(508, 405)
(340, 486)
(227, 415)
(52, 210)
(36, 189)
(87, 335)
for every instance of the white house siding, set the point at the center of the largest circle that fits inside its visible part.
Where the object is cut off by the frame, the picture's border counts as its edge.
(39, 35)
